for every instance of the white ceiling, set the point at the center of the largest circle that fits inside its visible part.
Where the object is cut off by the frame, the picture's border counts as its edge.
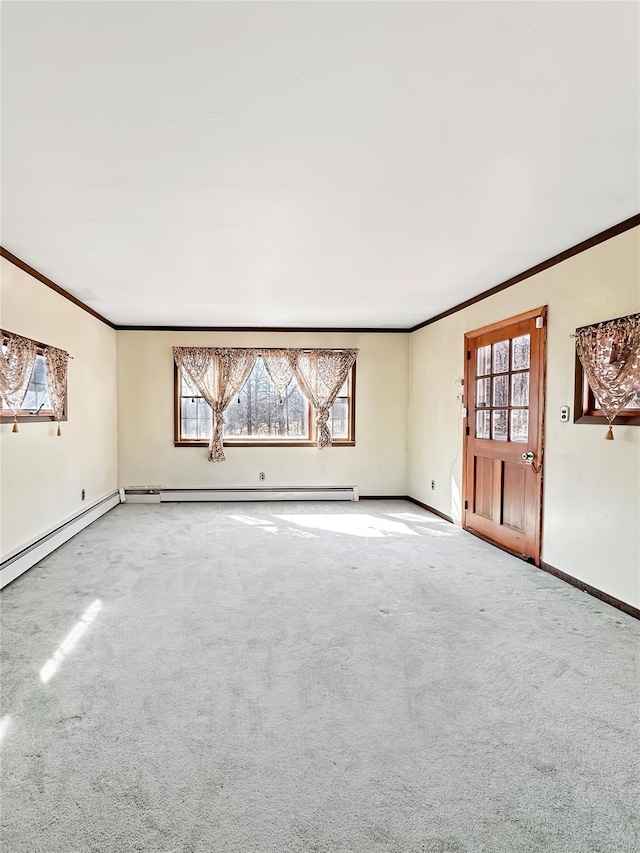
(341, 164)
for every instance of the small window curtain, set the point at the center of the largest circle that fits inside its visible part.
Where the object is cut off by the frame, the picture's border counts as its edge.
(610, 356)
(17, 358)
(56, 361)
(218, 374)
(320, 375)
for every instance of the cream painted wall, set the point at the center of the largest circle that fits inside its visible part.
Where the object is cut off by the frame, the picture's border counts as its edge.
(41, 474)
(377, 464)
(591, 521)
(409, 423)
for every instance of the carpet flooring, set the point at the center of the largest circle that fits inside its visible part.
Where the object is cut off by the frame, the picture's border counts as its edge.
(311, 678)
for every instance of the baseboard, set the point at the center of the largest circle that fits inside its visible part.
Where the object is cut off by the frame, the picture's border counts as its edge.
(629, 609)
(429, 509)
(383, 497)
(18, 563)
(411, 500)
(328, 493)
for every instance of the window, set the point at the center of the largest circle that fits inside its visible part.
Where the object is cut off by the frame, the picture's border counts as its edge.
(258, 417)
(259, 412)
(587, 411)
(37, 397)
(36, 405)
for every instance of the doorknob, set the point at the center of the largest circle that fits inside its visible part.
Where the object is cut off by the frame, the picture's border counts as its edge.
(528, 458)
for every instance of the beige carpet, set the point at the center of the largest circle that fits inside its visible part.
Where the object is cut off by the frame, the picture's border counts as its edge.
(311, 678)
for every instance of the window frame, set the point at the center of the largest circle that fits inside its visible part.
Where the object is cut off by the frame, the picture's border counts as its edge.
(584, 408)
(24, 415)
(263, 441)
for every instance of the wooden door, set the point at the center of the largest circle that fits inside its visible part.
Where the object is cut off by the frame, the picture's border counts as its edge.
(504, 398)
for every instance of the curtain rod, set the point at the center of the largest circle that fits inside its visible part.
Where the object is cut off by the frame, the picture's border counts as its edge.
(40, 345)
(604, 322)
(270, 349)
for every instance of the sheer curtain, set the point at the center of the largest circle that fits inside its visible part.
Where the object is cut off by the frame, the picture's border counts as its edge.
(17, 358)
(320, 375)
(610, 356)
(56, 361)
(279, 369)
(218, 374)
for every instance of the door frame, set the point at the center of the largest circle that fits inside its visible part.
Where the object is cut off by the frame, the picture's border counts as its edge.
(468, 378)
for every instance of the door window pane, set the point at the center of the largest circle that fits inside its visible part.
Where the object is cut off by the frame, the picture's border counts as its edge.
(521, 348)
(483, 360)
(483, 391)
(501, 357)
(520, 425)
(520, 389)
(482, 424)
(500, 425)
(501, 391)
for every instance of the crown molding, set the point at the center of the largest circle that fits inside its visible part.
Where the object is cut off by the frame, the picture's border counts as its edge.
(589, 243)
(353, 329)
(25, 267)
(603, 236)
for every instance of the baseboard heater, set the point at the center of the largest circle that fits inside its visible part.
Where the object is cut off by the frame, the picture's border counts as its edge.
(161, 495)
(14, 565)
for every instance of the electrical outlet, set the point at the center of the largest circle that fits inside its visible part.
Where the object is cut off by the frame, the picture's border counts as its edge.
(433, 485)
(261, 476)
(83, 494)
(565, 413)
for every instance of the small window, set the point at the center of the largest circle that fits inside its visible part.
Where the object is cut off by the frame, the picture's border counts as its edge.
(36, 405)
(37, 397)
(259, 416)
(587, 410)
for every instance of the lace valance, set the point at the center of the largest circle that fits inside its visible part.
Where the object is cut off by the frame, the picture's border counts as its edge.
(610, 356)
